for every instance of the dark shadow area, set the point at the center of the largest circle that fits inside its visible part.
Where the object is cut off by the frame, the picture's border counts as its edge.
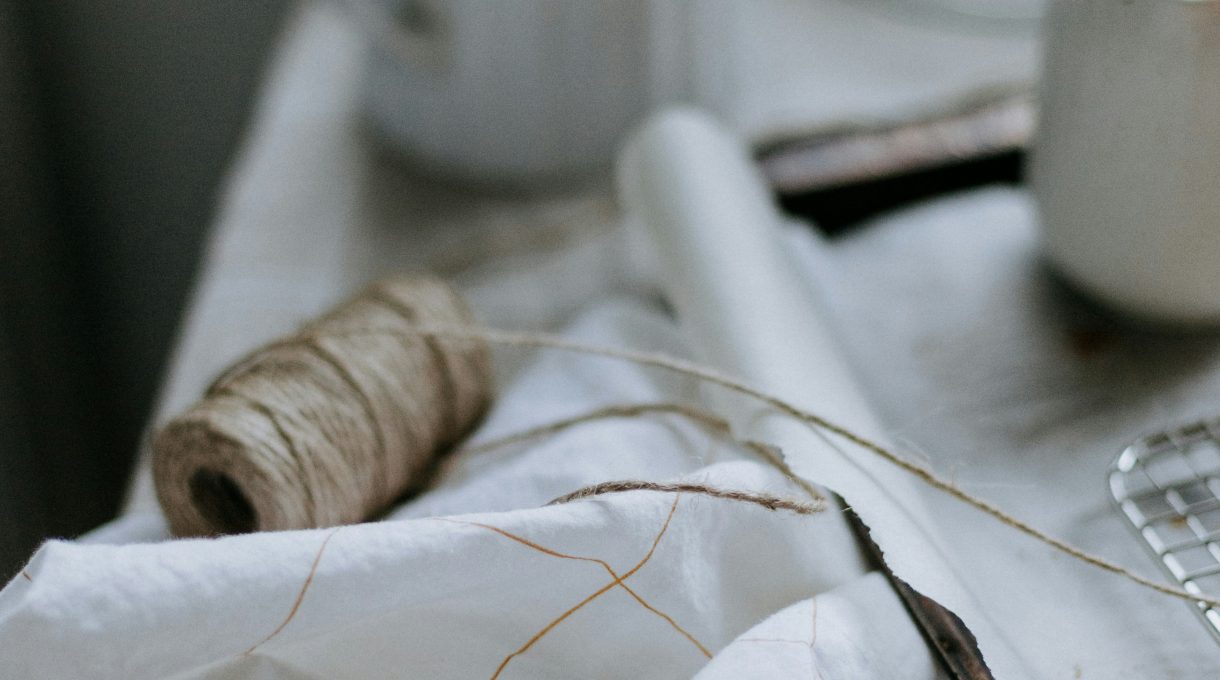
(117, 121)
(838, 208)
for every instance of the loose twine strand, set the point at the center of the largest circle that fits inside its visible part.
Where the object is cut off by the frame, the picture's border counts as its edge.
(701, 417)
(767, 501)
(714, 377)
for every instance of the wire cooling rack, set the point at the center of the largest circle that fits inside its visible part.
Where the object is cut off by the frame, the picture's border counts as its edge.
(1167, 486)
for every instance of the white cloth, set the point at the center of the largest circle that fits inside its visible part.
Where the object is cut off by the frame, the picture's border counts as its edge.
(980, 363)
(431, 593)
(826, 637)
(946, 315)
(300, 224)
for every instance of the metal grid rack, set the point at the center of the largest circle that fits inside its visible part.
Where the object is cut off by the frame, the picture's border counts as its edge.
(1167, 486)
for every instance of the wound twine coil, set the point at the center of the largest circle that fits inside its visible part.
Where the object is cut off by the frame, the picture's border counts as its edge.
(237, 461)
(328, 426)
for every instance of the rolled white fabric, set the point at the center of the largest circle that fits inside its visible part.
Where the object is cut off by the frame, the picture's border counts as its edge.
(442, 593)
(694, 192)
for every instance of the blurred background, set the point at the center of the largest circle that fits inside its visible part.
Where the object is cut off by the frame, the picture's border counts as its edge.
(117, 119)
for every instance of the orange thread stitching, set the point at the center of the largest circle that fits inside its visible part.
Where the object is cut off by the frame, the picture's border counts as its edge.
(613, 574)
(617, 581)
(704, 650)
(300, 596)
(524, 541)
(813, 637)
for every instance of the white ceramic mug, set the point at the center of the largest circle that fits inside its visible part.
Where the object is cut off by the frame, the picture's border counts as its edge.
(520, 91)
(1126, 164)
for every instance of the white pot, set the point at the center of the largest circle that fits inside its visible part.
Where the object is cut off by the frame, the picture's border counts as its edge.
(1126, 165)
(520, 91)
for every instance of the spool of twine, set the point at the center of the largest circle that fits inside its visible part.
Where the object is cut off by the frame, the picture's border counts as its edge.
(329, 426)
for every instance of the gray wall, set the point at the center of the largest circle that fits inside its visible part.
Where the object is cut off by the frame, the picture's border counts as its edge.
(41, 368)
(117, 119)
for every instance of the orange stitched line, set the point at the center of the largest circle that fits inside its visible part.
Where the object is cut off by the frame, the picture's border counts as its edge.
(526, 541)
(300, 596)
(704, 650)
(538, 636)
(813, 637)
(26, 574)
(617, 581)
(613, 574)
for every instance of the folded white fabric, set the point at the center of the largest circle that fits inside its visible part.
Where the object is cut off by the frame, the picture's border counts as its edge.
(641, 584)
(833, 636)
(981, 364)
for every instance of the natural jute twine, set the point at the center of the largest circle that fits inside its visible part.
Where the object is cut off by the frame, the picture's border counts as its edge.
(714, 377)
(326, 427)
(332, 425)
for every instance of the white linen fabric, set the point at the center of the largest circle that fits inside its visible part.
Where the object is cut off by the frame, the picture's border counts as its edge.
(971, 353)
(983, 365)
(956, 332)
(640, 584)
(823, 637)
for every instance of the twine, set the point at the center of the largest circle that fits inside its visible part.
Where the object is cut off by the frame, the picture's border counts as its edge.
(334, 424)
(712, 376)
(765, 500)
(326, 427)
(698, 416)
